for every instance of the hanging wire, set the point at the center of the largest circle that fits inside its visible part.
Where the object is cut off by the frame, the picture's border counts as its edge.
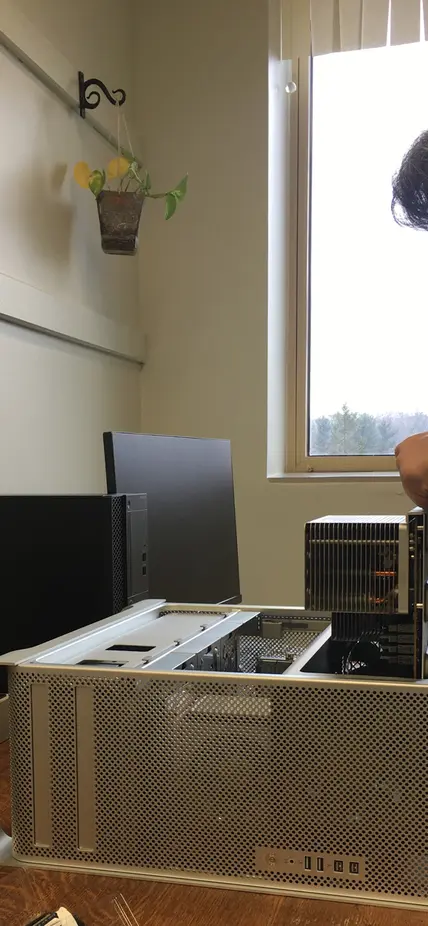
(121, 116)
(119, 150)
(128, 137)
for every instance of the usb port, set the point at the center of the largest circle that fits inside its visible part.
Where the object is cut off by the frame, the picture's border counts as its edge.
(354, 868)
(320, 864)
(308, 863)
(338, 865)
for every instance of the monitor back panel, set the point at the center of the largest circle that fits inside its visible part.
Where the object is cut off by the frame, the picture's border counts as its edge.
(191, 512)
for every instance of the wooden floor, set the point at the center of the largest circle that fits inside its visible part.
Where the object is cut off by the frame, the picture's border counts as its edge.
(25, 893)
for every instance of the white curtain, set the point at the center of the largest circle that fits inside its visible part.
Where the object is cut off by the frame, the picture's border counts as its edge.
(345, 25)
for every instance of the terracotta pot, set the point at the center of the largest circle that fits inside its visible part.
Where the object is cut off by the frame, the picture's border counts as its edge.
(119, 215)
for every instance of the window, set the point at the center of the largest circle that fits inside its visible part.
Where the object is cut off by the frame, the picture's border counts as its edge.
(361, 289)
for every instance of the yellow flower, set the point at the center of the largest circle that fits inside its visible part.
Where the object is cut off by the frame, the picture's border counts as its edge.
(82, 174)
(118, 167)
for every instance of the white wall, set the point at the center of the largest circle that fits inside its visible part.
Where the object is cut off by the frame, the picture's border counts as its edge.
(204, 274)
(56, 398)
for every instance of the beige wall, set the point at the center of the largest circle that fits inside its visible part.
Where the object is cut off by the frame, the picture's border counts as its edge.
(55, 401)
(204, 275)
(56, 398)
(95, 35)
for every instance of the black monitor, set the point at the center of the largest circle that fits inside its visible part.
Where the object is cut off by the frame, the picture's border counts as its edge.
(193, 552)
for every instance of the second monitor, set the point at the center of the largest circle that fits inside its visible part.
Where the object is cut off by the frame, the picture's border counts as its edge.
(191, 512)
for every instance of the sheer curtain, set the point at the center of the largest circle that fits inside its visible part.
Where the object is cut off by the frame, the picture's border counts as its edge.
(347, 25)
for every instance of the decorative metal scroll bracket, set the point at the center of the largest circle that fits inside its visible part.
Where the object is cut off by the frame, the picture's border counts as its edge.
(93, 99)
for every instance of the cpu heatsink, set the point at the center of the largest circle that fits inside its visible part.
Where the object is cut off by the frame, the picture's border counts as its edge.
(357, 564)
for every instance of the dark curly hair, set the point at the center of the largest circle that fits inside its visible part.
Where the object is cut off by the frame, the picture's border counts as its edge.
(410, 187)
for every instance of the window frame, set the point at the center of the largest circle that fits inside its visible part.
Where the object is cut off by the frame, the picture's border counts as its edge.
(296, 27)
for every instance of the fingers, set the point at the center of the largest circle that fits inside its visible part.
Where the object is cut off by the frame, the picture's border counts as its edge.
(412, 463)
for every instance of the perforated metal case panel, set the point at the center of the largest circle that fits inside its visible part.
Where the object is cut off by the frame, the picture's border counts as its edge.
(228, 779)
(292, 643)
(118, 515)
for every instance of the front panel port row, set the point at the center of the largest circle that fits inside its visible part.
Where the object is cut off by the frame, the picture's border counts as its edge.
(331, 866)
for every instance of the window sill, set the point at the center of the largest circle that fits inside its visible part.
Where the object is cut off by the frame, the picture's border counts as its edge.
(336, 477)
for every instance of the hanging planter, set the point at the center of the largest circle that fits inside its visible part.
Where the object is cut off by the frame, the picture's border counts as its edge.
(119, 215)
(120, 193)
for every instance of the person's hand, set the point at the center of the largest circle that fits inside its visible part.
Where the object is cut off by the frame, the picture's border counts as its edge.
(412, 462)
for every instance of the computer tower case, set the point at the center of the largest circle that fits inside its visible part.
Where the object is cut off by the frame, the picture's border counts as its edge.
(151, 745)
(222, 745)
(66, 561)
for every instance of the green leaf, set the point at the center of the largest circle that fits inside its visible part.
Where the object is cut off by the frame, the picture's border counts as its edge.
(181, 188)
(127, 154)
(97, 181)
(170, 205)
(133, 172)
(146, 183)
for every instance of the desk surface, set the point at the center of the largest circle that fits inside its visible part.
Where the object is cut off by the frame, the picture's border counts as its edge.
(25, 893)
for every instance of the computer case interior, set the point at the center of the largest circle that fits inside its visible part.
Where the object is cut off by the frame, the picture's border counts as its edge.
(369, 572)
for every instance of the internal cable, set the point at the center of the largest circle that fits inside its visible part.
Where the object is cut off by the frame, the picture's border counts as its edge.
(373, 632)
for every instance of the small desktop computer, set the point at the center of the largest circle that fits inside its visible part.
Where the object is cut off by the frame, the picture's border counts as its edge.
(67, 560)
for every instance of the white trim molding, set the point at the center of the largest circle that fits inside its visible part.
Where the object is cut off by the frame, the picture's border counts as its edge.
(68, 321)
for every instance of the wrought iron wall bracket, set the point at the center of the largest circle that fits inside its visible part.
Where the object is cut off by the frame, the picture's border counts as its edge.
(93, 99)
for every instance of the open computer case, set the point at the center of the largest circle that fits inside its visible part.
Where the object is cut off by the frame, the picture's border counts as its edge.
(267, 749)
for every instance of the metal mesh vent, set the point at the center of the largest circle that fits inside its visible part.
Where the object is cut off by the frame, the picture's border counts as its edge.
(118, 552)
(292, 643)
(353, 564)
(196, 776)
